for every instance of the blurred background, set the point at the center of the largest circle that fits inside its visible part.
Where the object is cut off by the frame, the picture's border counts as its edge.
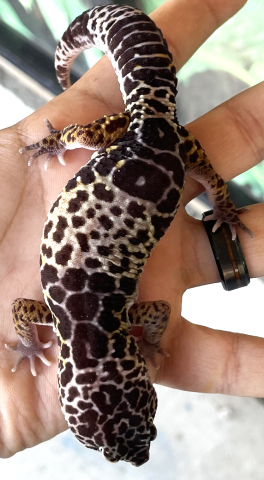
(199, 436)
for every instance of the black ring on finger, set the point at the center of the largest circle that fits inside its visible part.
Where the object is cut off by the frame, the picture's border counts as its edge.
(228, 254)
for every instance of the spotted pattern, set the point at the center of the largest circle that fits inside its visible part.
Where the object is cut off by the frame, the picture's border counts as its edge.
(102, 228)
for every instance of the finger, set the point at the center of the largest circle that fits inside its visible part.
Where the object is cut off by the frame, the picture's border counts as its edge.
(212, 361)
(187, 24)
(205, 270)
(232, 135)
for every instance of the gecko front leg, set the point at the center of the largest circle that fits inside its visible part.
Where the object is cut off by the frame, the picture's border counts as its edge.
(198, 166)
(154, 317)
(100, 133)
(26, 315)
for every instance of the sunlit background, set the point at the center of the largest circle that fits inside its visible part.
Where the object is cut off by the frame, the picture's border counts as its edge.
(200, 437)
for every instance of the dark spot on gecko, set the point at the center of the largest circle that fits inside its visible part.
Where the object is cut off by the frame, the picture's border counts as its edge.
(119, 345)
(143, 400)
(136, 211)
(128, 285)
(77, 221)
(49, 274)
(62, 224)
(108, 321)
(220, 183)
(101, 120)
(86, 378)
(99, 398)
(75, 203)
(104, 251)
(87, 431)
(89, 418)
(66, 375)
(72, 394)
(101, 282)
(105, 222)
(194, 157)
(169, 205)
(114, 393)
(102, 193)
(79, 349)
(48, 228)
(46, 251)
(74, 279)
(94, 235)
(83, 306)
(116, 269)
(132, 347)
(122, 232)
(72, 420)
(71, 409)
(98, 341)
(129, 174)
(87, 175)
(219, 198)
(134, 374)
(90, 213)
(83, 242)
(55, 204)
(161, 224)
(129, 223)
(117, 211)
(63, 256)
(132, 397)
(92, 263)
(65, 351)
(71, 184)
(172, 164)
(128, 364)
(161, 93)
(57, 293)
(128, 385)
(123, 249)
(114, 302)
(64, 325)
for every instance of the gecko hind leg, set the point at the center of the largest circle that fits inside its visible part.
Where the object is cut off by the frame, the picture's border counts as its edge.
(154, 317)
(101, 133)
(198, 166)
(26, 315)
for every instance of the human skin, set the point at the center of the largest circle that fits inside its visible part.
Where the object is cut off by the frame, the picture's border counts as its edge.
(201, 359)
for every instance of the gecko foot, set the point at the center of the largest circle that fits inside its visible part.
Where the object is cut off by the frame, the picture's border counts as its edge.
(50, 145)
(149, 350)
(228, 214)
(31, 352)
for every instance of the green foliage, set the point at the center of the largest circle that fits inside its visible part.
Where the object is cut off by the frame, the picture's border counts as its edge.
(27, 4)
(58, 14)
(9, 16)
(236, 47)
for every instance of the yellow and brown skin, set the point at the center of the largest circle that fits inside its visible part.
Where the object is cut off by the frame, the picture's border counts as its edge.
(100, 133)
(101, 230)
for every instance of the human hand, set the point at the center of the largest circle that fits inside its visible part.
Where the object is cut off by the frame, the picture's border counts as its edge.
(201, 359)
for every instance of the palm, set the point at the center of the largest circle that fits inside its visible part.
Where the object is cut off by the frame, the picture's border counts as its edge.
(31, 404)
